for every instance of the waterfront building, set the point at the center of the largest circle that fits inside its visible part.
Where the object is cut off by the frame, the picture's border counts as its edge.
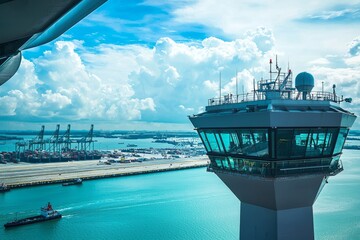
(275, 149)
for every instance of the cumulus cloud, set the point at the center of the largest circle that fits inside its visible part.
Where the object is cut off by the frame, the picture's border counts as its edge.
(59, 85)
(180, 77)
(108, 82)
(8, 106)
(163, 83)
(345, 73)
(263, 38)
(354, 48)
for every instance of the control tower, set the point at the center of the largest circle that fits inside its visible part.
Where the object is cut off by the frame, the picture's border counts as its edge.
(275, 149)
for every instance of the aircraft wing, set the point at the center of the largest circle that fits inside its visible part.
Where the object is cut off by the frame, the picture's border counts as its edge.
(29, 23)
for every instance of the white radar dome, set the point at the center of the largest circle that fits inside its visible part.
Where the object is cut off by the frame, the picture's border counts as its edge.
(304, 82)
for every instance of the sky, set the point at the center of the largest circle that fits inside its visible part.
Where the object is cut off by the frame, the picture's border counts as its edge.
(147, 65)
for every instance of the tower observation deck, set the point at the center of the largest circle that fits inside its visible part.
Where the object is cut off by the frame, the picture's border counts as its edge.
(275, 149)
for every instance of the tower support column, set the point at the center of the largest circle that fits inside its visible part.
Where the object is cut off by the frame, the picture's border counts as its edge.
(259, 223)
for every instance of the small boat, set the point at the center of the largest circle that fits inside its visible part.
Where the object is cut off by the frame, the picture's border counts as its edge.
(47, 213)
(131, 145)
(73, 182)
(4, 187)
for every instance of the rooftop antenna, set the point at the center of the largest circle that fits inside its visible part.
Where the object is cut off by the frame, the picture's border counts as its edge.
(220, 87)
(243, 93)
(277, 79)
(237, 90)
(270, 69)
(254, 88)
(288, 65)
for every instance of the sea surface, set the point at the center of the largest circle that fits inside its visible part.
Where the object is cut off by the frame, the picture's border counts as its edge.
(186, 205)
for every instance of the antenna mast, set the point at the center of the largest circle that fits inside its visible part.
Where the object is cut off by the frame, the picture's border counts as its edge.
(243, 92)
(237, 91)
(254, 88)
(220, 87)
(270, 69)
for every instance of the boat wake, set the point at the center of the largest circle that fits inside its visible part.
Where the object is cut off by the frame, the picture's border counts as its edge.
(65, 209)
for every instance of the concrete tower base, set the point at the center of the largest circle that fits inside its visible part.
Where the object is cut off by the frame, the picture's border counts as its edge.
(258, 223)
(275, 208)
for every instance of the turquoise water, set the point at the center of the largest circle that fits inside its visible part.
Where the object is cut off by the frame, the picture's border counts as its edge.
(188, 204)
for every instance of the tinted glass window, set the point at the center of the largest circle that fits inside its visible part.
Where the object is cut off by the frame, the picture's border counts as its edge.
(305, 142)
(218, 163)
(284, 142)
(301, 139)
(340, 140)
(212, 142)
(232, 163)
(225, 163)
(231, 142)
(205, 141)
(221, 147)
(246, 142)
(261, 142)
(237, 164)
(315, 143)
(329, 141)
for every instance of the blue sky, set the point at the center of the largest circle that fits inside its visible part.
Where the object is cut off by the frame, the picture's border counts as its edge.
(149, 64)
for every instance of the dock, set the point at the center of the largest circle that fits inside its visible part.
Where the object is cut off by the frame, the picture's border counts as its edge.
(26, 174)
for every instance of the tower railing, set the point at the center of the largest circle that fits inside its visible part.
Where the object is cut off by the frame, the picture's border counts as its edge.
(329, 166)
(290, 95)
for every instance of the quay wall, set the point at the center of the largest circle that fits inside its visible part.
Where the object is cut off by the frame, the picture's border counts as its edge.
(21, 179)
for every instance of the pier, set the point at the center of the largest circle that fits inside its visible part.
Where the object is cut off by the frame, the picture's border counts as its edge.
(25, 175)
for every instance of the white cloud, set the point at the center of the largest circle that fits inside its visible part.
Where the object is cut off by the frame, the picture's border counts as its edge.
(54, 100)
(211, 85)
(59, 84)
(298, 35)
(320, 61)
(345, 75)
(334, 14)
(132, 82)
(8, 106)
(190, 110)
(182, 77)
(354, 47)
(115, 24)
(353, 61)
(164, 83)
(236, 17)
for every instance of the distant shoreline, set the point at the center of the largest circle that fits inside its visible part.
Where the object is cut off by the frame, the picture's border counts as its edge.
(27, 175)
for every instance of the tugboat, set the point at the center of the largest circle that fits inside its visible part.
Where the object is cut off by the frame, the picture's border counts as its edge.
(73, 182)
(4, 187)
(47, 213)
